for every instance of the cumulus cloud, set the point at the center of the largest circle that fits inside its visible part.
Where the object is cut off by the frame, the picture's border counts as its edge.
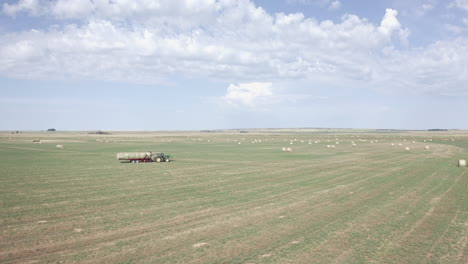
(230, 40)
(462, 4)
(441, 68)
(29, 6)
(334, 5)
(251, 95)
(227, 39)
(390, 24)
(73, 8)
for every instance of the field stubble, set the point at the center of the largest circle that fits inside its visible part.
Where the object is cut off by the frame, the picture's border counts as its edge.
(221, 202)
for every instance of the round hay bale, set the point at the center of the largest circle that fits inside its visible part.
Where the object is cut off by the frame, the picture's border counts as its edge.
(462, 163)
(328, 146)
(427, 147)
(289, 149)
(407, 149)
(283, 149)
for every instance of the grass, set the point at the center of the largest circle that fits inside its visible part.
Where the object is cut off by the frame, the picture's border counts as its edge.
(221, 202)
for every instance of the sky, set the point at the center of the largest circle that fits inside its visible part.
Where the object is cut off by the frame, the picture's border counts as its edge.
(227, 64)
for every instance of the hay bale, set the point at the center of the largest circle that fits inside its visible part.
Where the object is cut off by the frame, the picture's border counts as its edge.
(283, 149)
(407, 149)
(462, 163)
(289, 149)
(427, 147)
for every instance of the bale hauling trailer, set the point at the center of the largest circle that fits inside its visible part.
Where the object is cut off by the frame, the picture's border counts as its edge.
(147, 156)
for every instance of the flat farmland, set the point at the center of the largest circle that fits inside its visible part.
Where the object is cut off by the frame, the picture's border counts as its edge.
(233, 197)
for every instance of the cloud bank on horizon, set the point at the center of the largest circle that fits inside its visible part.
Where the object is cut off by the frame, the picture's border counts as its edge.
(234, 41)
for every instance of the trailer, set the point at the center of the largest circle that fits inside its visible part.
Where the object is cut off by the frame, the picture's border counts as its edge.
(146, 156)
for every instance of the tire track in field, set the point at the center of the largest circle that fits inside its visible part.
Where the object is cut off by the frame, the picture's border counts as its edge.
(408, 234)
(145, 230)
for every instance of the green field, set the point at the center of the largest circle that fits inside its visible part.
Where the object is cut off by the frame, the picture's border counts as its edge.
(225, 202)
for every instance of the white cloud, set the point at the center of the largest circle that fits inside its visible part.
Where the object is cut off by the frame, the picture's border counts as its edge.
(230, 40)
(30, 6)
(454, 29)
(73, 8)
(441, 68)
(427, 7)
(462, 4)
(335, 5)
(252, 95)
(389, 23)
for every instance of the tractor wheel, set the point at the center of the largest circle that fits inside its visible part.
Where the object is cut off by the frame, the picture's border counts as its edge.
(137, 161)
(158, 159)
(132, 161)
(168, 159)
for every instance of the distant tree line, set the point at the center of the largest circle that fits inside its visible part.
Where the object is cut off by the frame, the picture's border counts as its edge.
(99, 132)
(210, 131)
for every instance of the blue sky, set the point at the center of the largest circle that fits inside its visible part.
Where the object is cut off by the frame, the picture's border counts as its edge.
(214, 64)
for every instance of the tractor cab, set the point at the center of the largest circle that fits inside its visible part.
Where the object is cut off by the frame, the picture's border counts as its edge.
(161, 157)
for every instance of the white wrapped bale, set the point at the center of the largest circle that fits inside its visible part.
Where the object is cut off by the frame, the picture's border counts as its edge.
(462, 163)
